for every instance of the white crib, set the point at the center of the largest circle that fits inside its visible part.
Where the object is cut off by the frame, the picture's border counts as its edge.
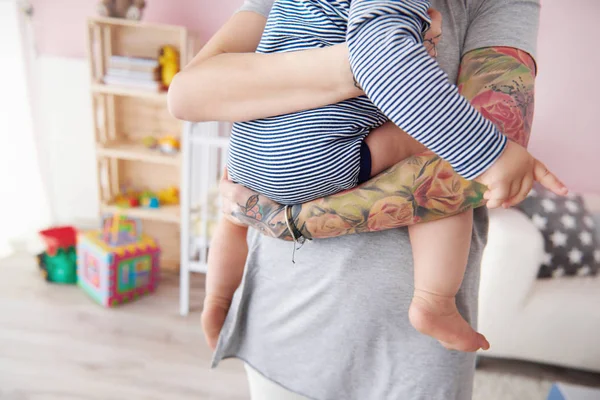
(204, 156)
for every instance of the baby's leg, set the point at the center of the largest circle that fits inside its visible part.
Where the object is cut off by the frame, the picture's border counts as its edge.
(226, 260)
(389, 145)
(440, 251)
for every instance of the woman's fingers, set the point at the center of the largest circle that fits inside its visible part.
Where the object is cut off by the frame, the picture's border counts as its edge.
(227, 188)
(436, 22)
(434, 34)
(548, 179)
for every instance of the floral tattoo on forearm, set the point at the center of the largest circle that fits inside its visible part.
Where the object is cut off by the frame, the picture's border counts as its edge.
(498, 81)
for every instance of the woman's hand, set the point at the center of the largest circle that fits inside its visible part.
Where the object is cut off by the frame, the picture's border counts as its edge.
(243, 206)
(434, 34)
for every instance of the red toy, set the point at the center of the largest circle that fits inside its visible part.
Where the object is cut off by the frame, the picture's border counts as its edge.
(59, 238)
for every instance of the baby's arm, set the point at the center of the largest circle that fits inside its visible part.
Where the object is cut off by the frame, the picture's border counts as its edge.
(392, 66)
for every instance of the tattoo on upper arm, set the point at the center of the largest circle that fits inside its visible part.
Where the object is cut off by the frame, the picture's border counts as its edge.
(499, 82)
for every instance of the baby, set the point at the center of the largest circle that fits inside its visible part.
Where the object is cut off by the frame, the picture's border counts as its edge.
(301, 156)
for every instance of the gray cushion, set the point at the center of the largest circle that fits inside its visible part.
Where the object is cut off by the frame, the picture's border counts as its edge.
(596, 217)
(570, 233)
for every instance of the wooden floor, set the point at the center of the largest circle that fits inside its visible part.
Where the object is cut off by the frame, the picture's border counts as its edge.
(57, 344)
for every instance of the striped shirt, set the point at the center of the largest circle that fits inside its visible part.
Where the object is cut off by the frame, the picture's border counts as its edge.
(301, 156)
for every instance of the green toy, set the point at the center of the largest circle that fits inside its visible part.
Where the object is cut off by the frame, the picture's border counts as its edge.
(59, 262)
(61, 268)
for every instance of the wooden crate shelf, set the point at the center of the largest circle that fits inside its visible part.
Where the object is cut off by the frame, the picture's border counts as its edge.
(137, 152)
(102, 88)
(119, 22)
(162, 214)
(125, 115)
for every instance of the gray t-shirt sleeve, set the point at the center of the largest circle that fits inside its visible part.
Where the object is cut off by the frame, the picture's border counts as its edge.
(507, 23)
(262, 7)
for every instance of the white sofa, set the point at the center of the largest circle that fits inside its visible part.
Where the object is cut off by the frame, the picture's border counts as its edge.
(553, 321)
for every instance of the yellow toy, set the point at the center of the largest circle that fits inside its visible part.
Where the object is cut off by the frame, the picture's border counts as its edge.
(169, 63)
(150, 142)
(168, 144)
(127, 199)
(169, 196)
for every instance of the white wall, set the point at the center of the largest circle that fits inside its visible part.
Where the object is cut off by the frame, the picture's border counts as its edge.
(23, 205)
(64, 119)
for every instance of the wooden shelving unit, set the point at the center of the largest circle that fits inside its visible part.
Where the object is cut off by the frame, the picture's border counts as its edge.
(123, 116)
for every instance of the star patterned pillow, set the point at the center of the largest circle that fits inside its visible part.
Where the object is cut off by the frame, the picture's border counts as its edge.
(570, 240)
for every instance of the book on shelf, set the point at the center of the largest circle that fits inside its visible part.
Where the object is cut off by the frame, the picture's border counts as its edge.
(133, 74)
(133, 63)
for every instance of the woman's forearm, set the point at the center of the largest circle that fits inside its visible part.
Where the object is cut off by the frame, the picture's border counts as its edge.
(236, 84)
(419, 189)
(242, 87)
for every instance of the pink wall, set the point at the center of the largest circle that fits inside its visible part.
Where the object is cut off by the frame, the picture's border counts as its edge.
(57, 37)
(567, 121)
(566, 130)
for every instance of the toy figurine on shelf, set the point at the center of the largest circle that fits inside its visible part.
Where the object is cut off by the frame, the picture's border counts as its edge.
(169, 196)
(117, 263)
(130, 9)
(131, 198)
(149, 199)
(169, 64)
(168, 144)
(150, 142)
(127, 199)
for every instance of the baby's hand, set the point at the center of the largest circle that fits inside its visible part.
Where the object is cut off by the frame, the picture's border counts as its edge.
(511, 177)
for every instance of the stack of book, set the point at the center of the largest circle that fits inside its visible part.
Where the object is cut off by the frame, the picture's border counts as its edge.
(134, 72)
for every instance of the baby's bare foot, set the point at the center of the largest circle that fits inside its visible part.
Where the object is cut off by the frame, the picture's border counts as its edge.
(438, 317)
(213, 317)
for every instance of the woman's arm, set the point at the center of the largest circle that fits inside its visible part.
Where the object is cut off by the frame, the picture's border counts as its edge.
(498, 81)
(227, 81)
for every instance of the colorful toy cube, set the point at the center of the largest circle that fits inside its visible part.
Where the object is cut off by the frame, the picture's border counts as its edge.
(119, 263)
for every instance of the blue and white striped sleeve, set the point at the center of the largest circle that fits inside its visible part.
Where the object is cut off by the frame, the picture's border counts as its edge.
(389, 61)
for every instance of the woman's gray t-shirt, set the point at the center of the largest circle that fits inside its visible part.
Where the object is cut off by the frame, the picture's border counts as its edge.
(334, 325)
